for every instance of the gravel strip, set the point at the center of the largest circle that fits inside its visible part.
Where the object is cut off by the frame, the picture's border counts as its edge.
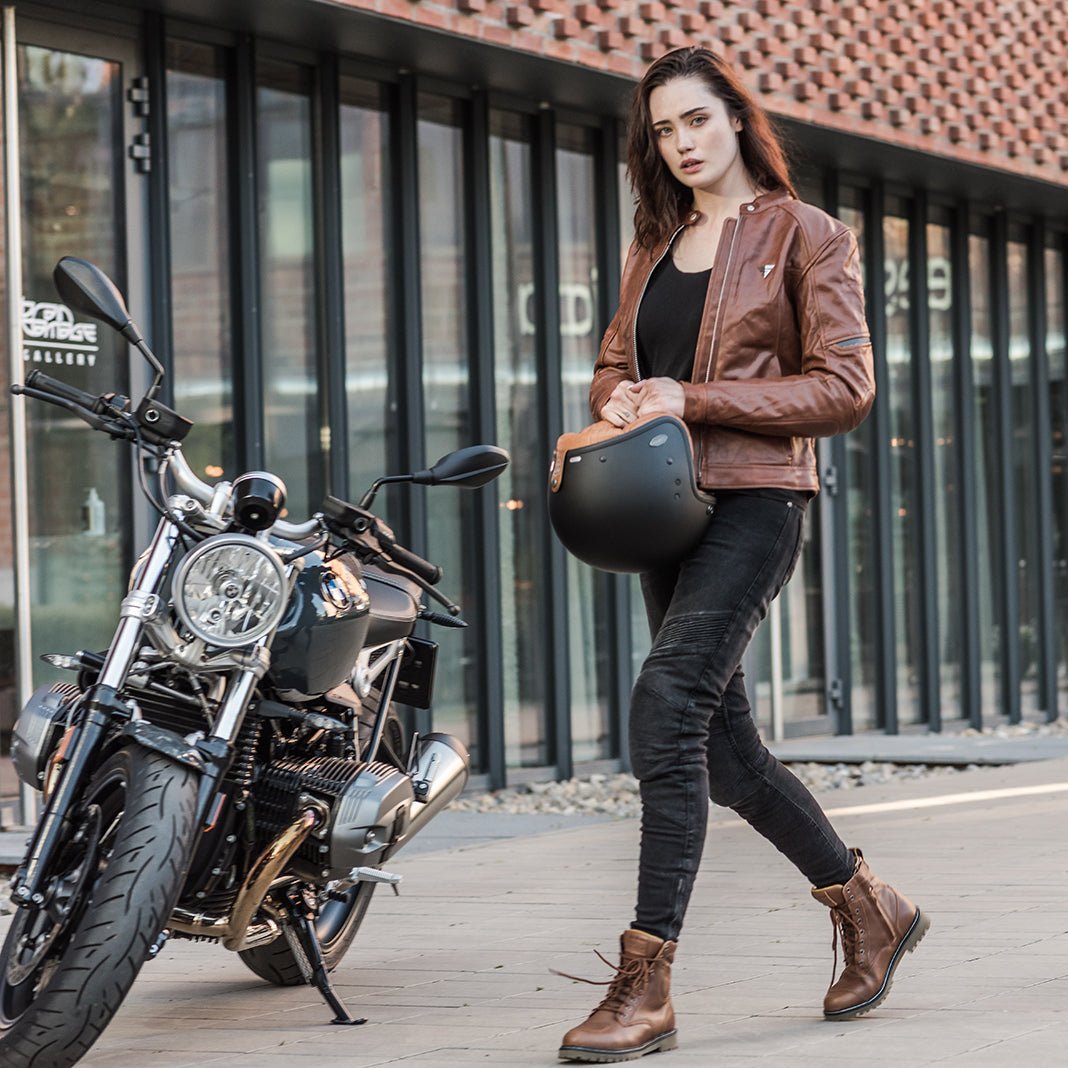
(617, 795)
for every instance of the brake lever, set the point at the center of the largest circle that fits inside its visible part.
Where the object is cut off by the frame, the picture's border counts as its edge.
(111, 427)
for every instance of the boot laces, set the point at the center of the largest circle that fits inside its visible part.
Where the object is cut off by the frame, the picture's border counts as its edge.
(842, 924)
(632, 975)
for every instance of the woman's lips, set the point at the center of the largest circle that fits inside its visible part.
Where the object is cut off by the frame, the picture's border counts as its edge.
(689, 165)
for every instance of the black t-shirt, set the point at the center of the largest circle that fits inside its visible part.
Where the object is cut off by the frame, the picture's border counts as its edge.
(669, 320)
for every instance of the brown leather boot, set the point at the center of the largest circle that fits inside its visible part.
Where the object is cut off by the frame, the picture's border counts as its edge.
(636, 1016)
(878, 926)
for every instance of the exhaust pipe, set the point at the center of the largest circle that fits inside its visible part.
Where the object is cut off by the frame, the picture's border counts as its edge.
(440, 774)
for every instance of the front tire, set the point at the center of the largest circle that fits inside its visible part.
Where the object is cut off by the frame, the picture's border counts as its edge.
(67, 965)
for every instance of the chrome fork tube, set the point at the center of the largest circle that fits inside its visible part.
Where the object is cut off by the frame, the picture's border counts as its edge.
(136, 605)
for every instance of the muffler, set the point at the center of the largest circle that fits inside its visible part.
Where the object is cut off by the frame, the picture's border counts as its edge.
(440, 774)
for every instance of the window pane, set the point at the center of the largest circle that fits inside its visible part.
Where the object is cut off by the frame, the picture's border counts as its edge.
(860, 452)
(988, 459)
(1056, 329)
(523, 522)
(70, 132)
(579, 340)
(904, 513)
(1025, 474)
(287, 284)
(372, 416)
(200, 255)
(947, 491)
(446, 403)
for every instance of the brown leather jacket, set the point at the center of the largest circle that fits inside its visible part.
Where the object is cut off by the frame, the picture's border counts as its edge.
(783, 355)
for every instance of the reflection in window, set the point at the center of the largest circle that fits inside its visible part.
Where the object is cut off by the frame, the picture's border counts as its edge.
(287, 283)
(863, 608)
(947, 515)
(904, 512)
(587, 589)
(446, 403)
(522, 486)
(1056, 328)
(72, 158)
(201, 335)
(1025, 474)
(372, 422)
(988, 460)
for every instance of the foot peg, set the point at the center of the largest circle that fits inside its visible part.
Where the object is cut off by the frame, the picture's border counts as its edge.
(367, 875)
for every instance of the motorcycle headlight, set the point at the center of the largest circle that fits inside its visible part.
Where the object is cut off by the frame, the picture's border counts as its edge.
(230, 590)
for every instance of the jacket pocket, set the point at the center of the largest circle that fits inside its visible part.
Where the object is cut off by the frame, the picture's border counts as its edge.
(724, 446)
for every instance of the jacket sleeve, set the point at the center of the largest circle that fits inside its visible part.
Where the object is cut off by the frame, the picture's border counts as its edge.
(613, 361)
(836, 386)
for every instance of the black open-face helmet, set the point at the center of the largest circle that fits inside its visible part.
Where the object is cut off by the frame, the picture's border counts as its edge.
(627, 500)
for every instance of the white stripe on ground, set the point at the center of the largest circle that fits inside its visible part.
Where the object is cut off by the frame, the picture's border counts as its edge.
(950, 799)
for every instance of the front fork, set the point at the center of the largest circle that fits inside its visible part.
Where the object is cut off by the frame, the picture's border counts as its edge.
(103, 707)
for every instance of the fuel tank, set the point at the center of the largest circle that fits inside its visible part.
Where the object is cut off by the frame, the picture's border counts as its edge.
(324, 628)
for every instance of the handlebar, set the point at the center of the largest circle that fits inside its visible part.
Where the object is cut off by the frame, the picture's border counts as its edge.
(427, 571)
(46, 384)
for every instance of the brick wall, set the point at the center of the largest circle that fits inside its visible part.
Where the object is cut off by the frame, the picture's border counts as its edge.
(982, 81)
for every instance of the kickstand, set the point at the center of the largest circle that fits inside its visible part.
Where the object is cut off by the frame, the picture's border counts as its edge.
(312, 966)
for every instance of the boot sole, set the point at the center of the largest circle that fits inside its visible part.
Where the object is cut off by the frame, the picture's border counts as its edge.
(912, 939)
(604, 1056)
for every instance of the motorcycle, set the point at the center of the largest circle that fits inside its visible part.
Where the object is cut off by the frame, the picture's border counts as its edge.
(231, 767)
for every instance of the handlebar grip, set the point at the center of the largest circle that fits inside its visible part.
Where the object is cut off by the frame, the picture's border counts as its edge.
(427, 571)
(46, 384)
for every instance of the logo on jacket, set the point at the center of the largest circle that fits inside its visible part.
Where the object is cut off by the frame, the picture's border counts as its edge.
(766, 269)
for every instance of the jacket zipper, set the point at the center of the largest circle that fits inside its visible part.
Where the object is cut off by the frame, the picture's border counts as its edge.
(719, 303)
(641, 297)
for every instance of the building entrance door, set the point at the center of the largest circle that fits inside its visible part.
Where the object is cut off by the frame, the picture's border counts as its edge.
(79, 192)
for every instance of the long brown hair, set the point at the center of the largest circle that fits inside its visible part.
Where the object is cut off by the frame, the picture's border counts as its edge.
(662, 200)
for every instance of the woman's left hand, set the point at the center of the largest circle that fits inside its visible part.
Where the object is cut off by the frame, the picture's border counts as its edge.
(659, 395)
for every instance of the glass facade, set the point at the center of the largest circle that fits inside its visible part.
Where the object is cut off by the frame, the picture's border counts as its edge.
(446, 398)
(860, 503)
(988, 471)
(294, 442)
(588, 633)
(201, 269)
(1057, 362)
(251, 171)
(518, 409)
(72, 156)
(945, 450)
(370, 394)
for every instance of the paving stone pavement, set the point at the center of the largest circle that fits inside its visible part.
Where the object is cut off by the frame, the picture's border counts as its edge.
(455, 971)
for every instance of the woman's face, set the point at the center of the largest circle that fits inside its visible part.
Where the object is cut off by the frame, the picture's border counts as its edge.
(697, 137)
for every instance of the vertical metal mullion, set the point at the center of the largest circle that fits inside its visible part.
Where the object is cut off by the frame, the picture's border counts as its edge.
(1047, 646)
(329, 270)
(483, 406)
(834, 554)
(967, 471)
(606, 165)
(159, 228)
(885, 650)
(930, 690)
(1010, 588)
(408, 316)
(248, 347)
(20, 493)
(547, 317)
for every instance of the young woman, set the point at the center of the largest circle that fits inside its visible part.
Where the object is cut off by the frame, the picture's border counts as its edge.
(741, 312)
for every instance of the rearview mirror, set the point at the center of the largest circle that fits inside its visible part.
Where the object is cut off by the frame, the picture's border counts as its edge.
(84, 287)
(471, 467)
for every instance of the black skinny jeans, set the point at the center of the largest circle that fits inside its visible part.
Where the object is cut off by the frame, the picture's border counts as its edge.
(692, 735)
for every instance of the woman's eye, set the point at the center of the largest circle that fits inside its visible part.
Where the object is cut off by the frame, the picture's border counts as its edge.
(698, 120)
(663, 131)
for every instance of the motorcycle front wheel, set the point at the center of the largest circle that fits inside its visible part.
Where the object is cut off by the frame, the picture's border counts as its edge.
(69, 960)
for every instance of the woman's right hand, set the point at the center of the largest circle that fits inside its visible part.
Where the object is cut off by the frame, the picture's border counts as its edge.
(621, 408)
